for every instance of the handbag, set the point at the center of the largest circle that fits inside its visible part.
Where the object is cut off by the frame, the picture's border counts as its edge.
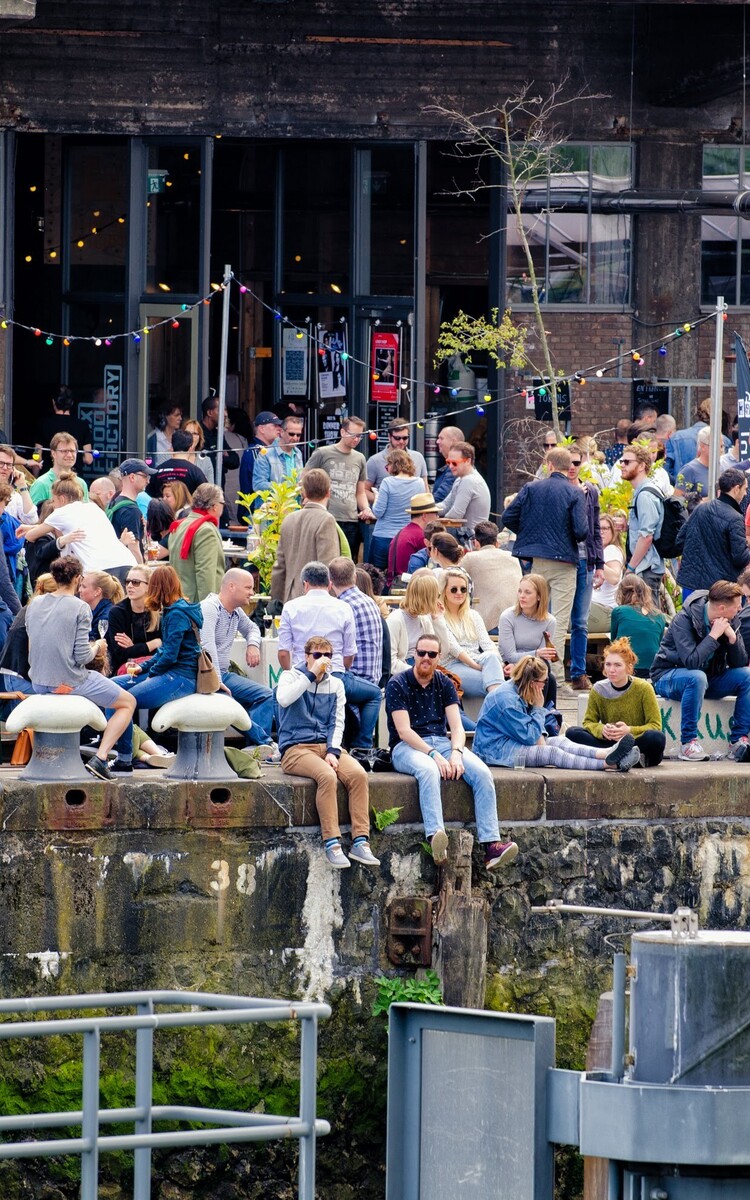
(455, 680)
(207, 679)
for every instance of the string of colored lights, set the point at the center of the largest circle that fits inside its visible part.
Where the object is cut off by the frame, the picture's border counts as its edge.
(579, 377)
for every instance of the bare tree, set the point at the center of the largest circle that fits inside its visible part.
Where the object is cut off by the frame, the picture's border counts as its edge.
(524, 134)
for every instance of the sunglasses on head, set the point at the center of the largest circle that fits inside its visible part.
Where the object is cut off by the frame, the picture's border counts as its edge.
(427, 653)
(457, 591)
(320, 654)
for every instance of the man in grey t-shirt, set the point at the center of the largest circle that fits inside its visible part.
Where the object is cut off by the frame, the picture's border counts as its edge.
(398, 438)
(345, 467)
(469, 498)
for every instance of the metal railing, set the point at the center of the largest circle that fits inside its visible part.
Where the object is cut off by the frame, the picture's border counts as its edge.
(231, 1126)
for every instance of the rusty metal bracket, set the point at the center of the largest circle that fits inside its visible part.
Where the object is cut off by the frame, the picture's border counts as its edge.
(409, 926)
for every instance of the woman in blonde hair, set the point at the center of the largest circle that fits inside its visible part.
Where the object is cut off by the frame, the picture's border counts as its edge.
(420, 612)
(472, 655)
(510, 730)
(529, 628)
(620, 704)
(100, 591)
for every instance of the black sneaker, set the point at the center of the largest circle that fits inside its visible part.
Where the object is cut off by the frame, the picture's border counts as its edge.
(96, 767)
(121, 767)
(620, 751)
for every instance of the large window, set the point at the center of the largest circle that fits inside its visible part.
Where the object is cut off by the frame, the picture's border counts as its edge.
(725, 240)
(580, 257)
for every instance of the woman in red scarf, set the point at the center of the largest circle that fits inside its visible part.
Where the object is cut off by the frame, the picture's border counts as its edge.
(195, 547)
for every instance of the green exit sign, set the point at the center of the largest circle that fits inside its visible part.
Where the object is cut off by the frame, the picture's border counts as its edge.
(157, 182)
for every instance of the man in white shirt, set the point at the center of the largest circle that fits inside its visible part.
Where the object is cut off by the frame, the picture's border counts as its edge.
(223, 619)
(84, 530)
(316, 613)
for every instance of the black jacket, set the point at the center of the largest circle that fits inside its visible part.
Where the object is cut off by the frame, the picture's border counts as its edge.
(686, 643)
(713, 544)
(122, 619)
(549, 519)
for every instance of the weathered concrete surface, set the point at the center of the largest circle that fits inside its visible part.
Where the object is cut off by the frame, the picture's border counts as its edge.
(145, 884)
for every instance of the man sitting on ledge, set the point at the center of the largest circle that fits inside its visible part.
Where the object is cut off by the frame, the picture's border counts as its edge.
(422, 707)
(702, 654)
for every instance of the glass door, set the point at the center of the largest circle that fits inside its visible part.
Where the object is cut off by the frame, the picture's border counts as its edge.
(168, 364)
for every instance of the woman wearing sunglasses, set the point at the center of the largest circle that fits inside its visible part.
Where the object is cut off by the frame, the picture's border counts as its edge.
(510, 730)
(132, 632)
(472, 654)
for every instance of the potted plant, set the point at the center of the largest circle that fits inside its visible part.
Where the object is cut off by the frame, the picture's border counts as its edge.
(264, 525)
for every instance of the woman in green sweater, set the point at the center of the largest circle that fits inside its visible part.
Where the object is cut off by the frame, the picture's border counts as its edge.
(637, 618)
(620, 704)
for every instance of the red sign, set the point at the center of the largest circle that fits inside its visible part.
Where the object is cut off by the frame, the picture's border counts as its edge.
(385, 369)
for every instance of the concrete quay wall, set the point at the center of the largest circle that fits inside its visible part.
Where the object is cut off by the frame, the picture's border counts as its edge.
(150, 884)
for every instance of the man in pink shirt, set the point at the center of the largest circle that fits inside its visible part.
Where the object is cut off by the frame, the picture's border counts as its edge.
(411, 538)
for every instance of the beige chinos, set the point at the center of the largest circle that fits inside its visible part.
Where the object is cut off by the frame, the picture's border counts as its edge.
(308, 760)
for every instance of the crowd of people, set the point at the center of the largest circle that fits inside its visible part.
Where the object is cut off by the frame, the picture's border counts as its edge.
(111, 591)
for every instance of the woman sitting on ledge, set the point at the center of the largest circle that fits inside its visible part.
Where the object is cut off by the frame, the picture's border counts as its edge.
(510, 729)
(622, 704)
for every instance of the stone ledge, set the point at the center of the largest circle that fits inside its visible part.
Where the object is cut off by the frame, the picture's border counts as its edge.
(678, 791)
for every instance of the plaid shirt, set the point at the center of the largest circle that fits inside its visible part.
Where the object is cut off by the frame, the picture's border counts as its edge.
(368, 628)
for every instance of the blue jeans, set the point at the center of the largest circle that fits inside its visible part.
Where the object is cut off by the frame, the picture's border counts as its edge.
(475, 683)
(366, 697)
(408, 761)
(379, 547)
(151, 692)
(258, 702)
(579, 619)
(690, 688)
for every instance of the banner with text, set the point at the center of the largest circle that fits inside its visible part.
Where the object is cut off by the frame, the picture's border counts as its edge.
(743, 396)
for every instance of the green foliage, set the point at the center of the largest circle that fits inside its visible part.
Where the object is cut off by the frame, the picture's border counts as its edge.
(277, 501)
(385, 817)
(409, 990)
(615, 496)
(501, 340)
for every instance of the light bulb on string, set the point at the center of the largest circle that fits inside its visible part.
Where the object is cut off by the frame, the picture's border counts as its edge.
(662, 350)
(49, 341)
(175, 324)
(107, 342)
(420, 424)
(687, 327)
(37, 333)
(436, 390)
(479, 410)
(299, 334)
(373, 436)
(136, 337)
(97, 341)
(243, 289)
(404, 386)
(344, 356)
(486, 397)
(184, 307)
(66, 341)
(600, 373)
(542, 391)
(4, 324)
(677, 333)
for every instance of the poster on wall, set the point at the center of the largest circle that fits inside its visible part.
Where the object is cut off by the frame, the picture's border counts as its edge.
(331, 358)
(385, 367)
(103, 413)
(743, 396)
(294, 363)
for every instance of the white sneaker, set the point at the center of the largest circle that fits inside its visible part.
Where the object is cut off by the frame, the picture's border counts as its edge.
(692, 752)
(337, 858)
(360, 852)
(739, 750)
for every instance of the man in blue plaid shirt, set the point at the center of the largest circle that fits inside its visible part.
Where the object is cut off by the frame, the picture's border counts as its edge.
(362, 679)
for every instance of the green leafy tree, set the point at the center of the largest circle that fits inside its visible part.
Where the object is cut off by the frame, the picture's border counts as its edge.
(522, 133)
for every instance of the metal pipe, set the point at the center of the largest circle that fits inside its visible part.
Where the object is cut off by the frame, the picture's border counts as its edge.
(219, 460)
(629, 201)
(618, 1016)
(144, 1071)
(90, 1121)
(716, 399)
(307, 1099)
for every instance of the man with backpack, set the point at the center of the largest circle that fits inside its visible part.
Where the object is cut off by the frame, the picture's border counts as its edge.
(653, 523)
(123, 510)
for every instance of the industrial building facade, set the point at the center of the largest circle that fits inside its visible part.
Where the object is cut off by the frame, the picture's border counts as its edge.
(146, 147)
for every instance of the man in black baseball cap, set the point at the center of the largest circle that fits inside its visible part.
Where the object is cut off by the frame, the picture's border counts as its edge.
(267, 428)
(123, 511)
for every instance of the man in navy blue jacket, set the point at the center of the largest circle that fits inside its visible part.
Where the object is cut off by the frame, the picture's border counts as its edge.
(548, 517)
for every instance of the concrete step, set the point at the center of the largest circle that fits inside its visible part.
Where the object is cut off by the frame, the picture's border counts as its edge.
(146, 800)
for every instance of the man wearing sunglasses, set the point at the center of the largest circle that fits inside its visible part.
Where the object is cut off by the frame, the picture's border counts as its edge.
(398, 439)
(427, 741)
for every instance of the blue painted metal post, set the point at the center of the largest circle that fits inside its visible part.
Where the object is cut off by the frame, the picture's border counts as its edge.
(618, 1016)
(90, 1116)
(307, 1104)
(144, 1066)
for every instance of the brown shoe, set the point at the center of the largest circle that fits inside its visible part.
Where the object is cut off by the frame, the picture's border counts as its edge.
(581, 683)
